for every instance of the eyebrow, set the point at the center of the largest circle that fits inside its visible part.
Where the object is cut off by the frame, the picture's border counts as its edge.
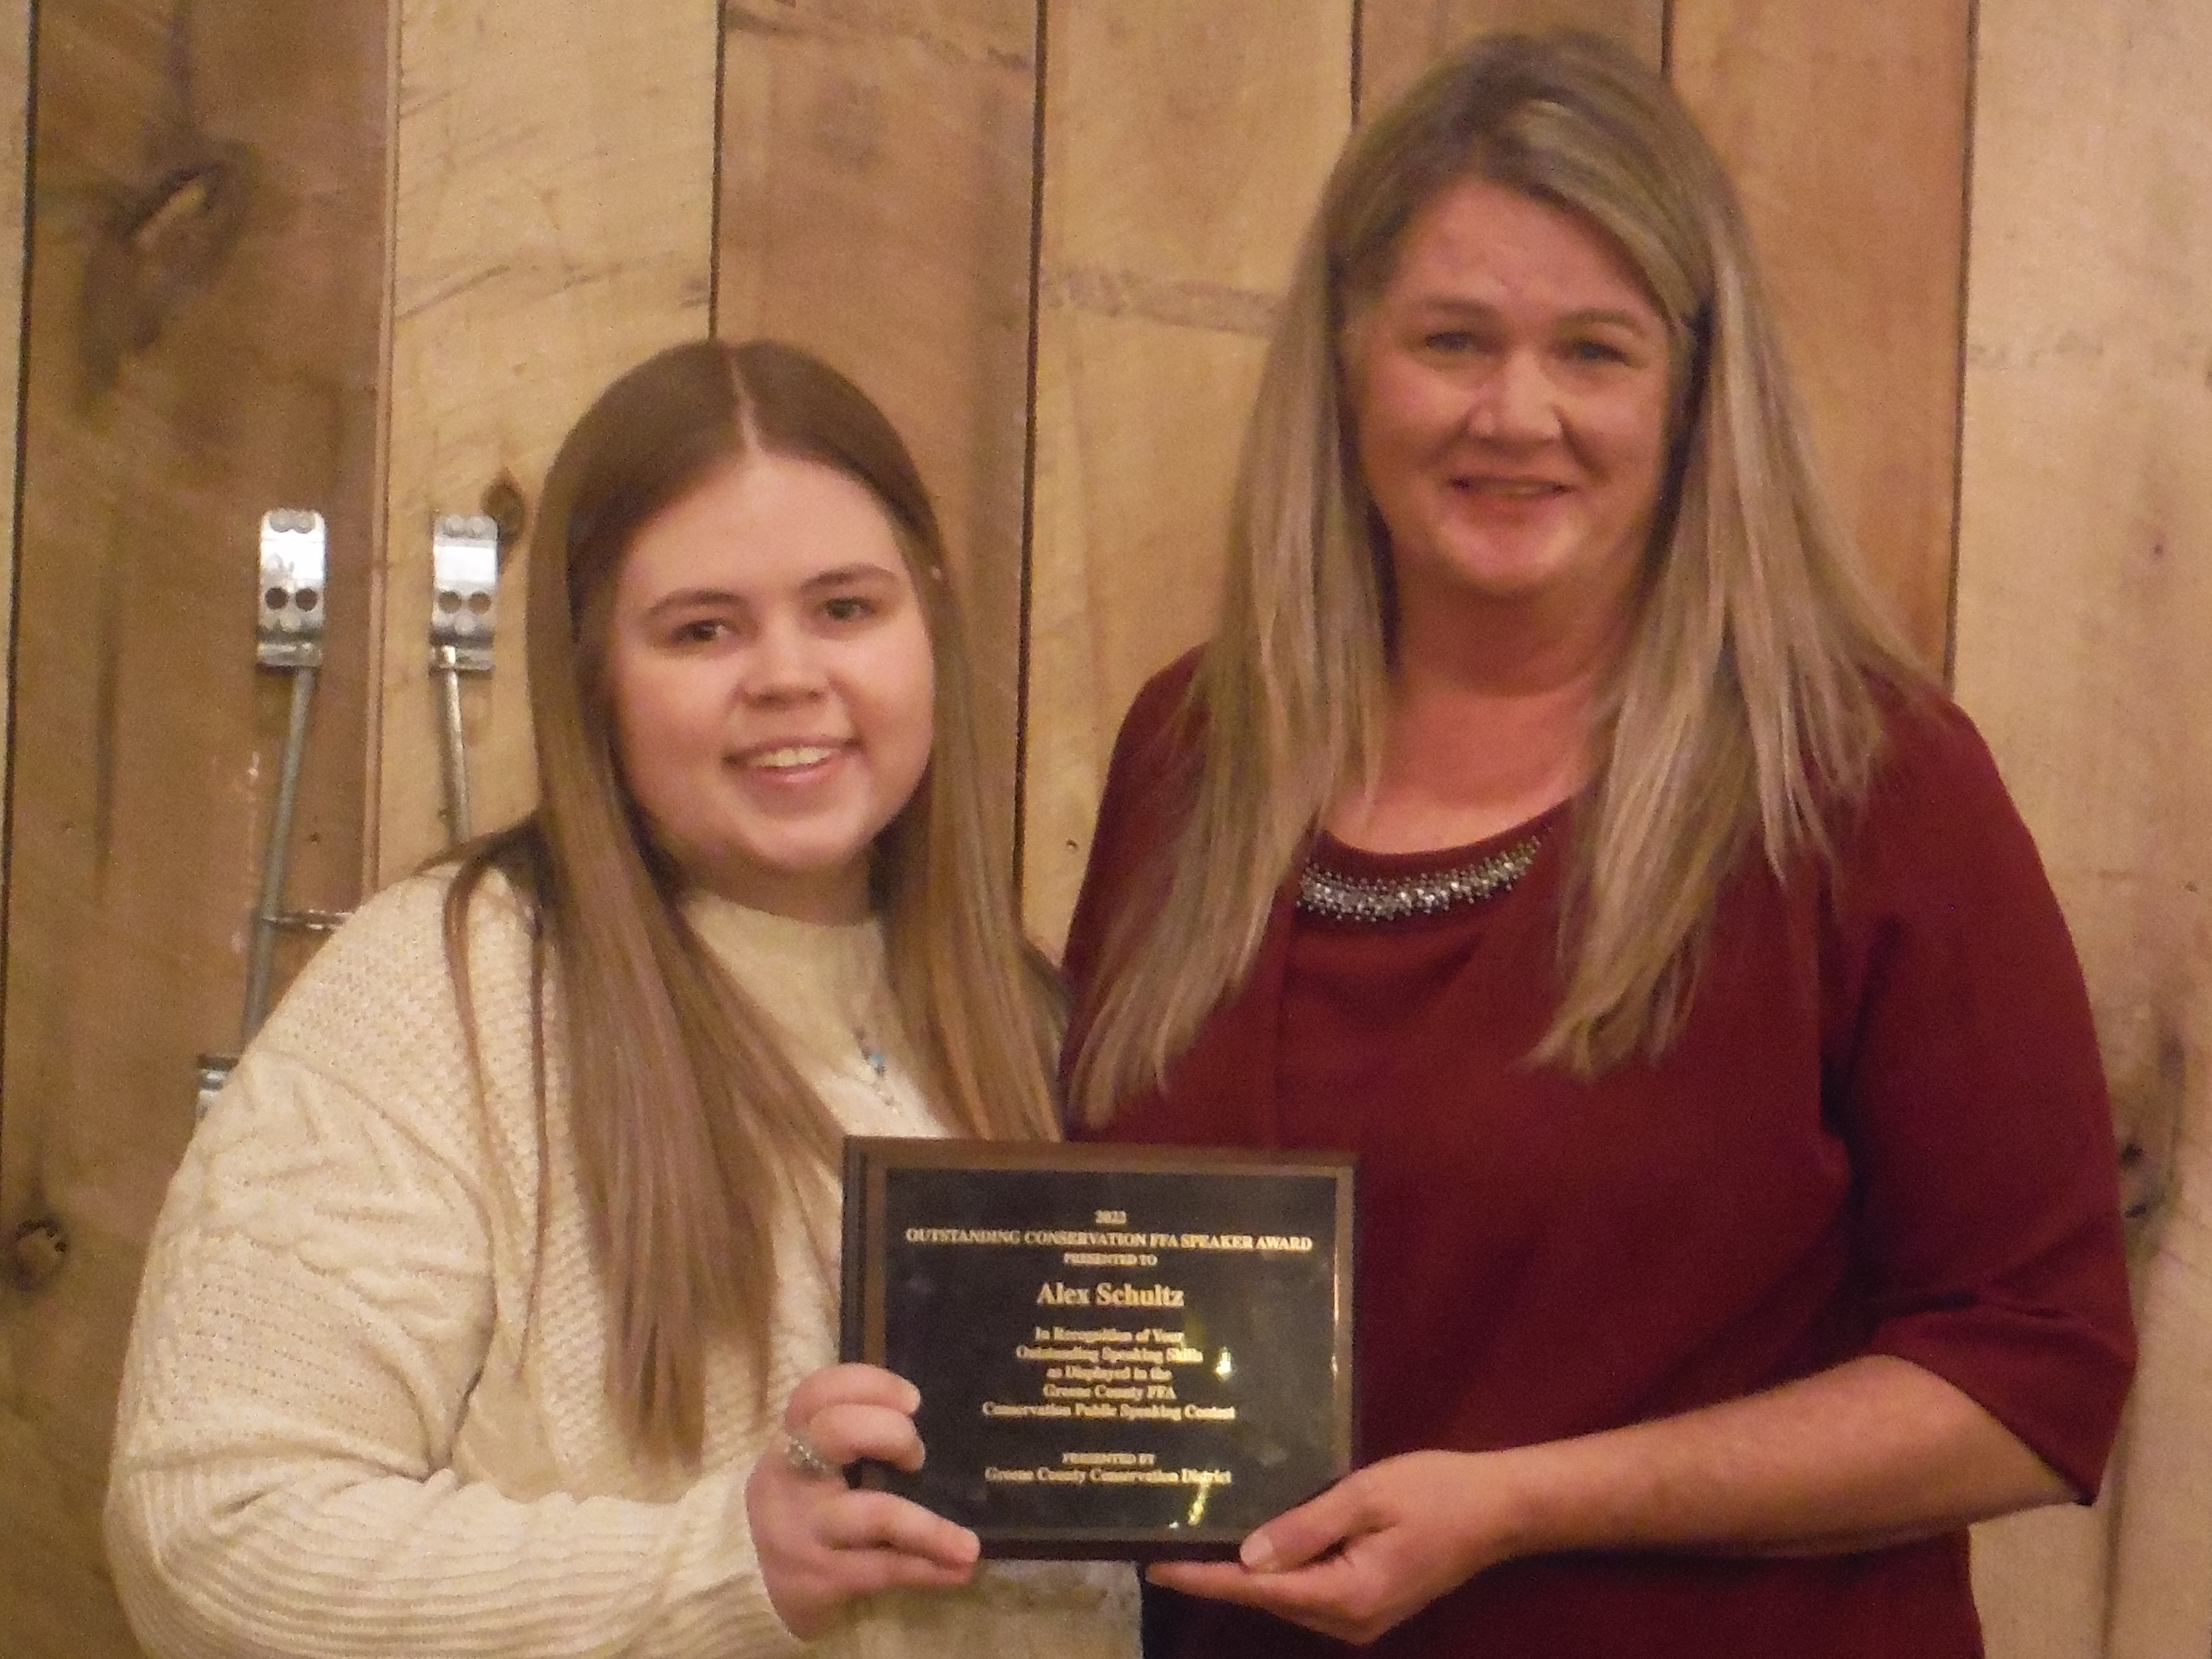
(844, 575)
(1445, 304)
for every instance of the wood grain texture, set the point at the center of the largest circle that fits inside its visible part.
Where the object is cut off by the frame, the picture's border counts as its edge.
(877, 172)
(2084, 604)
(1844, 128)
(207, 200)
(1399, 39)
(553, 226)
(1185, 147)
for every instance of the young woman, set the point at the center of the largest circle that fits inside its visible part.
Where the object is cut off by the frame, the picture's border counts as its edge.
(493, 1309)
(1553, 822)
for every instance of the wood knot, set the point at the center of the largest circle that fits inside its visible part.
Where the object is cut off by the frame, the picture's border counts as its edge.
(506, 506)
(36, 1253)
(159, 243)
(2143, 1189)
(2150, 1093)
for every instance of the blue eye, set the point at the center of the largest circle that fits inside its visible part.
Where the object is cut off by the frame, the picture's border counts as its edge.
(1597, 351)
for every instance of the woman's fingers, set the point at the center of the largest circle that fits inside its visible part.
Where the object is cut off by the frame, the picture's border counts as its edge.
(849, 1412)
(849, 1384)
(877, 1521)
(1365, 1555)
(820, 1543)
(1268, 1571)
(1297, 1536)
(847, 1433)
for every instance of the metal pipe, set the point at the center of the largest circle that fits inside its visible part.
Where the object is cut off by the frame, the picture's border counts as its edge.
(456, 744)
(267, 913)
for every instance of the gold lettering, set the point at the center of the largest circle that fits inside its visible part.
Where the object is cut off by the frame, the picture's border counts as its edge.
(1138, 1296)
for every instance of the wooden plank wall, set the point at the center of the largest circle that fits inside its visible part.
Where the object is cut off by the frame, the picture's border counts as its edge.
(1863, 243)
(2084, 619)
(1184, 146)
(207, 204)
(1050, 237)
(1399, 39)
(553, 223)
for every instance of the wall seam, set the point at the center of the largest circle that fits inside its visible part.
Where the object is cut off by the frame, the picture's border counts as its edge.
(1022, 652)
(1358, 69)
(722, 148)
(1965, 301)
(22, 392)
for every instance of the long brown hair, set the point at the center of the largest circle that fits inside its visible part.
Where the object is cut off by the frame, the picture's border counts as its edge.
(691, 1125)
(1746, 708)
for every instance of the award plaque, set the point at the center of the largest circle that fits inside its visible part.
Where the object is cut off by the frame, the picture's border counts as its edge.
(1124, 1352)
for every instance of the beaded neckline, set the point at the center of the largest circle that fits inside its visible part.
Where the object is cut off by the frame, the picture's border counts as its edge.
(1339, 897)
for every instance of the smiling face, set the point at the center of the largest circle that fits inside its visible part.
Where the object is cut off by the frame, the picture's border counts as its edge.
(1509, 389)
(769, 669)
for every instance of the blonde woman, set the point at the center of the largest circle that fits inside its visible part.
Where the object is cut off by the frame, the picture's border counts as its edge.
(492, 1310)
(1553, 822)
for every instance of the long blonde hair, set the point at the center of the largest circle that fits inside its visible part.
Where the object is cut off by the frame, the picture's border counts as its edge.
(690, 1122)
(1747, 706)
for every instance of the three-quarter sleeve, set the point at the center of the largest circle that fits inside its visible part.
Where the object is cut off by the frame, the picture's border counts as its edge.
(1966, 1078)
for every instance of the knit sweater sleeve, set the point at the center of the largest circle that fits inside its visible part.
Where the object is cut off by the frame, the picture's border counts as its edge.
(317, 1307)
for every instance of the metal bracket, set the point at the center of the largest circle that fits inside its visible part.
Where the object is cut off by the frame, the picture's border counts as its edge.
(294, 594)
(292, 606)
(464, 617)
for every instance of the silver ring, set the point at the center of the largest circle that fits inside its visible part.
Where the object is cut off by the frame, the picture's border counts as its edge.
(800, 1452)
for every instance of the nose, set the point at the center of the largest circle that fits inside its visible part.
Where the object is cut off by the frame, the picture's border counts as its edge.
(1516, 402)
(784, 665)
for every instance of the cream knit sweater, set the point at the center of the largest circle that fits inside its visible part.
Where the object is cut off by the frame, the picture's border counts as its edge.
(345, 1430)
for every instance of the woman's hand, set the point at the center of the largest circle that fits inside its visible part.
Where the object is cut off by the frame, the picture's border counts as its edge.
(821, 1542)
(1873, 1452)
(1368, 1553)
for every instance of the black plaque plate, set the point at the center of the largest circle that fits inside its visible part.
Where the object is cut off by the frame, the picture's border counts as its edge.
(1124, 1352)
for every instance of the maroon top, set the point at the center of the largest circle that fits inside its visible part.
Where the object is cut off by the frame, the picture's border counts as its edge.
(1883, 1130)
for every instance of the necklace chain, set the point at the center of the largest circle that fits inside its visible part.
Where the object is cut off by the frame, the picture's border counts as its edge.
(1339, 897)
(879, 1066)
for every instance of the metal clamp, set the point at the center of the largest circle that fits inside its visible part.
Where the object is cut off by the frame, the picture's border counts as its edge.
(295, 571)
(293, 606)
(464, 616)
